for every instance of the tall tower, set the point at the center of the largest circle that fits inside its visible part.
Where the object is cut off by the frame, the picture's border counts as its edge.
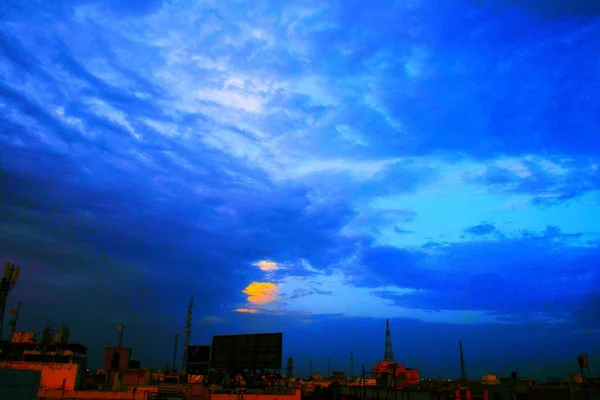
(463, 371)
(389, 353)
(188, 332)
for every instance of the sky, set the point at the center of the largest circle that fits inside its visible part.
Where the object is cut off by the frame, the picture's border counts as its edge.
(308, 167)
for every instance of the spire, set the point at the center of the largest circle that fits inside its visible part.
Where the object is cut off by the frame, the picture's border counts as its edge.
(389, 353)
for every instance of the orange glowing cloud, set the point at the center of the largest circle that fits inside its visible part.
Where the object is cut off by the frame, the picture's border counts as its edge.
(266, 265)
(261, 292)
(246, 310)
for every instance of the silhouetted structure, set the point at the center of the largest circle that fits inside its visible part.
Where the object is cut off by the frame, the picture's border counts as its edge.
(389, 352)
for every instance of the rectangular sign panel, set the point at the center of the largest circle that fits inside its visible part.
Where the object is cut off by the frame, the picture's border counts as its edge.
(262, 350)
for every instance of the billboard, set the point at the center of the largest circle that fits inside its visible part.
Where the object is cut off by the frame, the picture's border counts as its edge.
(261, 350)
(198, 354)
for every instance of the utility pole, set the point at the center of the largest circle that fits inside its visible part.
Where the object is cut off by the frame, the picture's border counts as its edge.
(364, 393)
(328, 368)
(13, 323)
(351, 365)
(9, 279)
(310, 368)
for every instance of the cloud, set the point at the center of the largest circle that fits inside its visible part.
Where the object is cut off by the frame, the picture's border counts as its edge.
(261, 292)
(401, 231)
(335, 294)
(267, 265)
(246, 310)
(481, 229)
(211, 320)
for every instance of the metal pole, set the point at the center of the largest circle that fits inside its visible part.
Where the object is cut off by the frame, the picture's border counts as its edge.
(329, 368)
(351, 365)
(364, 392)
(583, 382)
(310, 368)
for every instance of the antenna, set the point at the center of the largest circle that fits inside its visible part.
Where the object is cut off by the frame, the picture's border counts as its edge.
(351, 365)
(121, 328)
(188, 332)
(389, 352)
(463, 371)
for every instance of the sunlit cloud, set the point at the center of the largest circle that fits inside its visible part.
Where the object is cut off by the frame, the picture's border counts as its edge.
(261, 292)
(246, 310)
(267, 265)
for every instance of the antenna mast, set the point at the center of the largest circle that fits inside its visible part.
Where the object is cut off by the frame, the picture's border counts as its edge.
(188, 332)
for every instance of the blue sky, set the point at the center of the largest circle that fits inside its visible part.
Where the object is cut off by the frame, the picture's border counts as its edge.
(308, 167)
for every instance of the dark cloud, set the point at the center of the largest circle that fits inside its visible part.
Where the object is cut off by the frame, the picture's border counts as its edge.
(514, 277)
(481, 229)
(559, 9)
(546, 185)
